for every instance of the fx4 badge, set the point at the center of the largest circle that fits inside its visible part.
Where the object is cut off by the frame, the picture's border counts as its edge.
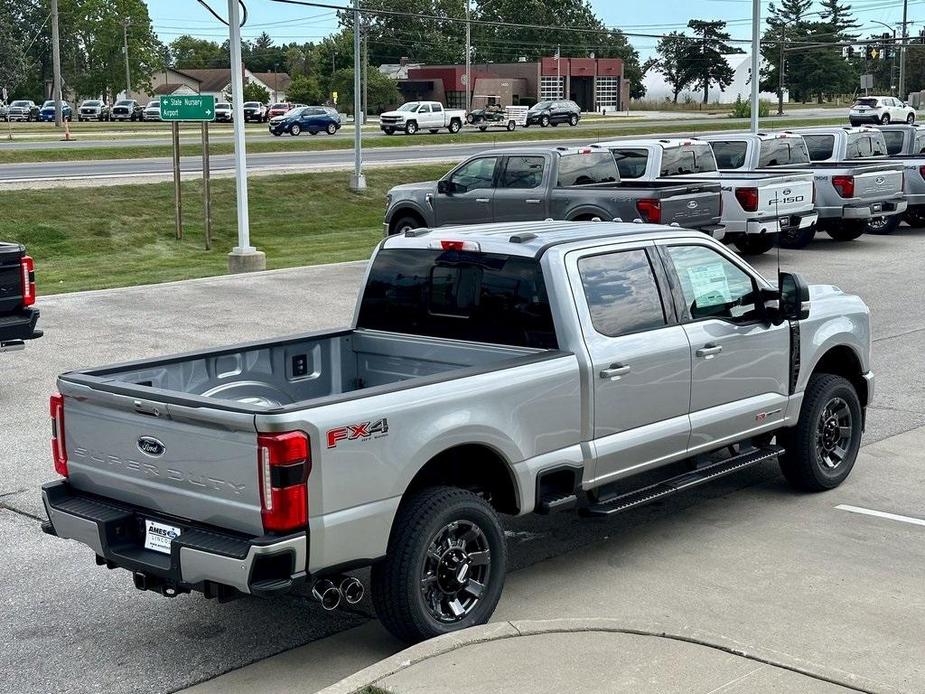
(363, 431)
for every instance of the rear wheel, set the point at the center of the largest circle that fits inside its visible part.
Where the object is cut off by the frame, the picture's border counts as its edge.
(795, 237)
(510, 126)
(883, 225)
(910, 119)
(483, 128)
(822, 447)
(848, 231)
(915, 216)
(445, 566)
(755, 244)
(455, 126)
(885, 120)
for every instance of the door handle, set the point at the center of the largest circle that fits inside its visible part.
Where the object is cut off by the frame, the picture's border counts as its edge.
(482, 200)
(709, 351)
(533, 201)
(615, 371)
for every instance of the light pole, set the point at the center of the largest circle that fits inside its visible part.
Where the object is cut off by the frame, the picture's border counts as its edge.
(56, 63)
(892, 55)
(358, 180)
(756, 49)
(128, 74)
(902, 52)
(468, 60)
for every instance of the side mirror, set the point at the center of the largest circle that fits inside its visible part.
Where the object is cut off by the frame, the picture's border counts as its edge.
(794, 296)
(445, 187)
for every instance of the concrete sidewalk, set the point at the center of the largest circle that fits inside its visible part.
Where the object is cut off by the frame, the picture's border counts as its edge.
(586, 655)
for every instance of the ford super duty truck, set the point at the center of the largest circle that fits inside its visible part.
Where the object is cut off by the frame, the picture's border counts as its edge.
(18, 315)
(570, 183)
(495, 369)
(852, 195)
(757, 205)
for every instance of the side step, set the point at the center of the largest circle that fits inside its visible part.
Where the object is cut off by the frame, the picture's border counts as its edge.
(712, 471)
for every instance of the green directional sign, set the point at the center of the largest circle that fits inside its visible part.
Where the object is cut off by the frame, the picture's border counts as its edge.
(196, 107)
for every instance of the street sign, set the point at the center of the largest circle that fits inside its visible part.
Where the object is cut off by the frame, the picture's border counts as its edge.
(196, 107)
(867, 81)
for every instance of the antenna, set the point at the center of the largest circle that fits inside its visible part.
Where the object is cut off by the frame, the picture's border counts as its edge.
(779, 233)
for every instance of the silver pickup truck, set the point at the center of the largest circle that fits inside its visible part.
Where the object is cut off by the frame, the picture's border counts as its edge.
(857, 190)
(576, 184)
(496, 369)
(906, 144)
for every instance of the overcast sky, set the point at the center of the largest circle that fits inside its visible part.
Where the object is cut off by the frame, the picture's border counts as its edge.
(287, 23)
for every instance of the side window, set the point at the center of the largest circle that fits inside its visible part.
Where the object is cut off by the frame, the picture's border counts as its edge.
(920, 143)
(712, 286)
(631, 163)
(894, 141)
(855, 148)
(475, 175)
(877, 145)
(438, 108)
(820, 146)
(621, 292)
(424, 109)
(522, 172)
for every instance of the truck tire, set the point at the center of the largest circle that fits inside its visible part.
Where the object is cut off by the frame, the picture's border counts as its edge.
(445, 565)
(821, 449)
(847, 231)
(455, 126)
(915, 216)
(755, 244)
(404, 223)
(411, 127)
(885, 120)
(882, 225)
(389, 131)
(796, 237)
(483, 128)
(910, 119)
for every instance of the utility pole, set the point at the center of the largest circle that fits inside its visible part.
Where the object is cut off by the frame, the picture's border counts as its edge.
(902, 52)
(56, 62)
(468, 59)
(756, 58)
(358, 180)
(365, 70)
(780, 72)
(559, 89)
(128, 74)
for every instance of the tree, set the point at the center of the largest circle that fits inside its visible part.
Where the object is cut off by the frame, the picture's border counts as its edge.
(839, 18)
(705, 57)
(673, 61)
(381, 90)
(13, 61)
(788, 12)
(192, 53)
(255, 92)
(305, 89)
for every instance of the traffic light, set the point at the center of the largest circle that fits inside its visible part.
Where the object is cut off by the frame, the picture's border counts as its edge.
(886, 52)
(871, 52)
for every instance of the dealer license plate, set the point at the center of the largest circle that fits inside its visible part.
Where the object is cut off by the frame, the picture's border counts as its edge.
(877, 207)
(158, 536)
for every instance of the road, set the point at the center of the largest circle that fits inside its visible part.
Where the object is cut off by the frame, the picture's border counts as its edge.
(744, 558)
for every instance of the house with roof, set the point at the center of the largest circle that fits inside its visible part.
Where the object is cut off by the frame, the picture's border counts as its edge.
(214, 81)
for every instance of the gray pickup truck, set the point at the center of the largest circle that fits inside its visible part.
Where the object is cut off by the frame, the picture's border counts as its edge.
(577, 184)
(853, 196)
(18, 314)
(906, 144)
(494, 369)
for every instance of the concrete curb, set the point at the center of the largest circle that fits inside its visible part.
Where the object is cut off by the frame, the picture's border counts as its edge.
(513, 629)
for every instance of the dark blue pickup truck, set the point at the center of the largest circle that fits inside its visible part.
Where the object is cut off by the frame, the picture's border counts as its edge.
(18, 316)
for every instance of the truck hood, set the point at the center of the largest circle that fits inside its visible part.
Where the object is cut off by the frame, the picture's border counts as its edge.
(824, 291)
(407, 188)
(393, 113)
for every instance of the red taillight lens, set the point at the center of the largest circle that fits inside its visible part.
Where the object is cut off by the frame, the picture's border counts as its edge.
(814, 194)
(451, 245)
(844, 185)
(650, 210)
(27, 266)
(284, 462)
(58, 450)
(748, 198)
(922, 171)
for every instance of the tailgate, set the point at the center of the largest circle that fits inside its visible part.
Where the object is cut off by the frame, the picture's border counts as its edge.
(877, 185)
(10, 280)
(692, 209)
(193, 463)
(786, 196)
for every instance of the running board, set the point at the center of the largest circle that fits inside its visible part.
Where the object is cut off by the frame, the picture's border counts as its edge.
(712, 471)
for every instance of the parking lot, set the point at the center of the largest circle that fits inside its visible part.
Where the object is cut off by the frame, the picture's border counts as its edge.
(744, 562)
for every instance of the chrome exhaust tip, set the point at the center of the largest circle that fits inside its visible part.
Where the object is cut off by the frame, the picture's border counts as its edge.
(327, 594)
(352, 590)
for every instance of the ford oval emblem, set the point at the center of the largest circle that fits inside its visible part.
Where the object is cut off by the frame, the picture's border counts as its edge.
(787, 191)
(692, 205)
(880, 180)
(150, 446)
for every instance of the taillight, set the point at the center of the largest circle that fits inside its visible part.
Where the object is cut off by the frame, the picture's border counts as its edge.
(748, 198)
(814, 194)
(650, 210)
(844, 185)
(446, 245)
(284, 462)
(922, 171)
(27, 266)
(58, 450)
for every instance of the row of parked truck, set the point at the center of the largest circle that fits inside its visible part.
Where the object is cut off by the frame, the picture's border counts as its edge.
(752, 190)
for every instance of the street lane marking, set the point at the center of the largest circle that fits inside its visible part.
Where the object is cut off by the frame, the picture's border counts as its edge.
(881, 514)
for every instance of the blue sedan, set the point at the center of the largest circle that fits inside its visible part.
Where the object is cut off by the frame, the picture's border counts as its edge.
(47, 113)
(311, 119)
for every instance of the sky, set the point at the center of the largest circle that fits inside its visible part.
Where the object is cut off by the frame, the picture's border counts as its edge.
(286, 23)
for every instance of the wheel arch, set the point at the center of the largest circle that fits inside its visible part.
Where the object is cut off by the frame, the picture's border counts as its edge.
(405, 210)
(843, 360)
(586, 213)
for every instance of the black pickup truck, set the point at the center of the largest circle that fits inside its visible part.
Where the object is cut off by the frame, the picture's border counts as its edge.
(18, 317)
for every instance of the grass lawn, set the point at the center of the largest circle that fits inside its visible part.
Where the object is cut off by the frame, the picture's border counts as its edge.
(321, 142)
(93, 238)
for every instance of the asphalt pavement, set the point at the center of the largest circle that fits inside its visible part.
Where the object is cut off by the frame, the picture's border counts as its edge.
(743, 558)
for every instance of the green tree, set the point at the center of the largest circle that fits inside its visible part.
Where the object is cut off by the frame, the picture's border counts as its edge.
(191, 53)
(14, 63)
(305, 90)
(673, 62)
(704, 56)
(838, 17)
(381, 91)
(255, 92)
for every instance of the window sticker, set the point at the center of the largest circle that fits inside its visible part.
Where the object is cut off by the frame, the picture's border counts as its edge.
(710, 285)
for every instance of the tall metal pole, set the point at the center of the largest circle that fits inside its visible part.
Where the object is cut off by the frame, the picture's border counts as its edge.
(902, 52)
(243, 257)
(358, 180)
(206, 195)
(365, 71)
(756, 60)
(128, 73)
(468, 58)
(780, 73)
(56, 62)
(178, 208)
(559, 89)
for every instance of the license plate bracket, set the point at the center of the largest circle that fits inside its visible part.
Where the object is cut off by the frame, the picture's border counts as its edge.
(876, 207)
(784, 222)
(159, 536)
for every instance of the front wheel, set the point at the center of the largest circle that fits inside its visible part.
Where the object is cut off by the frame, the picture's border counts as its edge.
(755, 244)
(544, 121)
(821, 449)
(331, 129)
(483, 128)
(295, 130)
(389, 131)
(848, 231)
(411, 128)
(510, 126)
(883, 225)
(444, 570)
(573, 120)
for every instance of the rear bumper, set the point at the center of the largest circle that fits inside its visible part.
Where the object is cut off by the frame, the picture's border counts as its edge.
(202, 558)
(865, 210)
(864, 119)
(772, 225)
(20, 326)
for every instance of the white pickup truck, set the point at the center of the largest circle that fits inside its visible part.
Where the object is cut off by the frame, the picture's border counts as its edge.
(757, 206)
(422, 115)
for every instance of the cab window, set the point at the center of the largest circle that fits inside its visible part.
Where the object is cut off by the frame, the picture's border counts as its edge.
(919, 143)
(425, 108)
(783, 151)
(729, 154)
(894, 141)
(713, 286)
(621, 292)
(438, 108)
(475, 175)
(522, 172)
(820, 146)
(631, 163)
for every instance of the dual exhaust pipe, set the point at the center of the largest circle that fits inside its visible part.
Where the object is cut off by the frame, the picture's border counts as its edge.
(330, 592)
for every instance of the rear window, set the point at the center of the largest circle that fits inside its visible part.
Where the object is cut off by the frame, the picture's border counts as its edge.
(870, 103)
(730, 154)
(864, 145)
(687, 159)
(783, 151)
(586, 168)
(459, 295)
(631, 163)
(894, 141)
(820, 146)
